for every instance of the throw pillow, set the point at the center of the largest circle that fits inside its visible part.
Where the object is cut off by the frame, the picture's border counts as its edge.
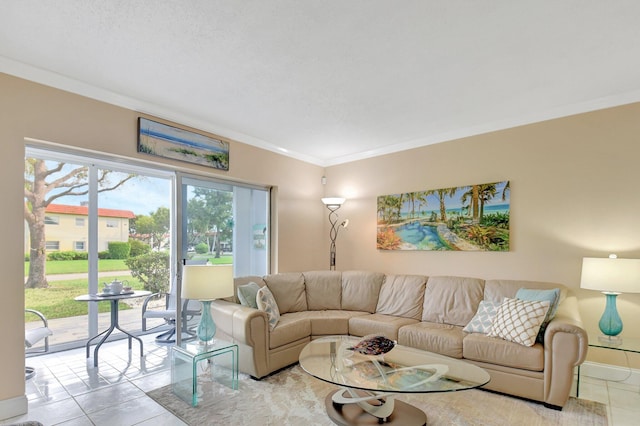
(267, 303)
(247, 294)
(519, 320)
(481, 322)
(553, 296)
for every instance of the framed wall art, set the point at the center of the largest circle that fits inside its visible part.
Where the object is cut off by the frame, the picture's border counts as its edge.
(465, 218)
(179, 144)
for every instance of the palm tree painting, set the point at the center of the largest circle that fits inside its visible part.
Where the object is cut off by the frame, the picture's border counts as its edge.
(467, 218)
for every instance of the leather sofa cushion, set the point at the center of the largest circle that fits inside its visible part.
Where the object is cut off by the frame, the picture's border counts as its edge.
(444, 339)
(378, 324)
(289, 291)
(493, 350)
(326, 323)
(497, 290)
(360, 290)
(402, 295)
(289, 329)
(324, 290)
(452, 300)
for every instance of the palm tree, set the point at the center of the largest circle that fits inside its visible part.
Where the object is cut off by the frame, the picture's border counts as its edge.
(389, 207)
(486, 192)
(442, 193)
(505, 190)
(473, 195)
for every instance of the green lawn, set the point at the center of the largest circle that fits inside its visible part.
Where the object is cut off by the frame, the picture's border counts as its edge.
(79, 266)
(56, 301)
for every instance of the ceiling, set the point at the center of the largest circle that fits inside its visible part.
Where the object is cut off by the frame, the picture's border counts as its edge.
(332, 81)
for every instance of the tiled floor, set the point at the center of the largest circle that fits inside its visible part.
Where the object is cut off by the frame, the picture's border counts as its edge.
(68, 390)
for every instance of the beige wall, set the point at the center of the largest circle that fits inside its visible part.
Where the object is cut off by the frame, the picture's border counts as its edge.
(39, 112)
(574, 193)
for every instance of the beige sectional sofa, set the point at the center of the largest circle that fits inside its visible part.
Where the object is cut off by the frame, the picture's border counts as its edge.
(428, 313)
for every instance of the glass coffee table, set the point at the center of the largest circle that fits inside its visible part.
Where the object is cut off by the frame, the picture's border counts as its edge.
(370, 382)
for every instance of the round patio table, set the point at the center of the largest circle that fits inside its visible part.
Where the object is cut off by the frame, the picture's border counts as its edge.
(114, 299)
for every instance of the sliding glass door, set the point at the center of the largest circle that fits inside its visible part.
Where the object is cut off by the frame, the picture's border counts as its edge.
(225, 223)
(88, 222)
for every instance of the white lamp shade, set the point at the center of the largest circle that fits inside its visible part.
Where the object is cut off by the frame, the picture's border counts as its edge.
(207, 282)
(608, 274)
(333, 201)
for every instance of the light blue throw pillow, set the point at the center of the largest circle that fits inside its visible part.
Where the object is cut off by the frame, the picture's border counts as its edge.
(536, 295)
(247, 294)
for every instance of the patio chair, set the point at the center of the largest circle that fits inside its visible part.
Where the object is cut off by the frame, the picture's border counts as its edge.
(190, 308)
(33, 336)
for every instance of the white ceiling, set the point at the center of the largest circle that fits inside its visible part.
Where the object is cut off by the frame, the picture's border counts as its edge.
(331, 81)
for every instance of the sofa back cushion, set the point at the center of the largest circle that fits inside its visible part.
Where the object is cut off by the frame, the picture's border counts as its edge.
(497, 290)
(289, 291)
(360, 290)
(324, 290)
(452, 300)
(402, 296)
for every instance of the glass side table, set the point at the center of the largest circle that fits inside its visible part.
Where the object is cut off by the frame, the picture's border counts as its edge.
(184, 366)
(625, 344)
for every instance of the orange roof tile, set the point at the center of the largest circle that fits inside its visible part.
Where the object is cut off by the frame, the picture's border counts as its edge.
(84, 211)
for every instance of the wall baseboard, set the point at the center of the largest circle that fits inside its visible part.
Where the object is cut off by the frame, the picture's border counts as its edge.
(13, 407)
(612, 373)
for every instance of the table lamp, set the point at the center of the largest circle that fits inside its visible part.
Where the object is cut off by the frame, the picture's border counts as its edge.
(611, 276)
(206, 283)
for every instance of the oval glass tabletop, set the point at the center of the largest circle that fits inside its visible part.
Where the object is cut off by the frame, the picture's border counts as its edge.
(401, 370)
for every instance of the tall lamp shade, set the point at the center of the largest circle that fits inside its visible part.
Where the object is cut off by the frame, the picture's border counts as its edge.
(611, 276)
(206, 283)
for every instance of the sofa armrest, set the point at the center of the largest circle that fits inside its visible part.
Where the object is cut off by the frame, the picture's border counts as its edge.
(244, 324)
(565, 347)
(249, 329)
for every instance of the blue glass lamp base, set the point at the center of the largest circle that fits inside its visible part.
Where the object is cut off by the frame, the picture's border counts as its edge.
(610, 323)
(206, 328)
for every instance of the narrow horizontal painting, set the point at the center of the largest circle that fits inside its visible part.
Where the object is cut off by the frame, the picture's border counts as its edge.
(465, 218)
(171, 142)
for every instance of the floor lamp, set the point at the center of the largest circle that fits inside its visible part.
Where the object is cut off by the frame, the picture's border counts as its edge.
(333, 204)
(206, 283)
(611, 276)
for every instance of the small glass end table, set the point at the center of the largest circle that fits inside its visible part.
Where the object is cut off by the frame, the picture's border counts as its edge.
(184, 366)
(624, 344)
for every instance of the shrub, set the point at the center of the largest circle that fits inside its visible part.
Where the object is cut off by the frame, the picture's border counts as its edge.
(119, 250)
(138, 248)
(26, 257)
(202, 248)
(104, 255)
(68, 255)
(152, 269)
(388, 240)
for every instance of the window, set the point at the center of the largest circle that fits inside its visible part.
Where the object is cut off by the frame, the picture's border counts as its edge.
(52, 245)
(112, 223)
(79, 221)
(226, 221)
(52, 220)
(79, 246)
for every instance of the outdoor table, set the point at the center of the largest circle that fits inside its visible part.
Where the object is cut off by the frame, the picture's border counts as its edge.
(114, 299)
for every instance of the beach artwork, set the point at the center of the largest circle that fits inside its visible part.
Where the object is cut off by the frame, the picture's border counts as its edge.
(179, 144)
(464, 218)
